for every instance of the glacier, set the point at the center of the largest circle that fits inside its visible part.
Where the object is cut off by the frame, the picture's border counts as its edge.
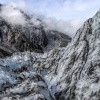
(68, 73)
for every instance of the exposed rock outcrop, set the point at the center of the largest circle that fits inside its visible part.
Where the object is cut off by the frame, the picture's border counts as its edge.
(27, 37)
(23, 38)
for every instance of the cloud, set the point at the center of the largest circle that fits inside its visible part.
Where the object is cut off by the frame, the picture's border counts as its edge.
(12, 15)
(15, 3)
(35, 21)
(60, 9)
(68, 27)
(65, 16)
(80, 9)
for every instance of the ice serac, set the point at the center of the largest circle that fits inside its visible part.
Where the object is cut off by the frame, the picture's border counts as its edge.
(19, 81)
(78, 71)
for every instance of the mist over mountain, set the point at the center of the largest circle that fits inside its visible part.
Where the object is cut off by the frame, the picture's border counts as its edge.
(21, 32)
(13, 15)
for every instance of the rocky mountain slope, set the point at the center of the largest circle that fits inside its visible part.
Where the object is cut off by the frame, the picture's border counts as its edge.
(69, 73)
(28, 37)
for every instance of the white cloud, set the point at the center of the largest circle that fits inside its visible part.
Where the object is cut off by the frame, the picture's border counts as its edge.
(36, 22)
(15, 17)
(68, 15)
(68, 27)
(12, 15)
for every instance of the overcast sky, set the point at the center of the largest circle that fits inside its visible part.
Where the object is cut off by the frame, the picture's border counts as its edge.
(66, 10)
(60, 9)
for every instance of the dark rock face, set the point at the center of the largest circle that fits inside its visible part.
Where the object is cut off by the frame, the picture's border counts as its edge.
(21, 38)
(5, 50)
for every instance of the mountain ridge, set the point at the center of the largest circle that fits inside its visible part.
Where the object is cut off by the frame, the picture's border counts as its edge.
(27, 37)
